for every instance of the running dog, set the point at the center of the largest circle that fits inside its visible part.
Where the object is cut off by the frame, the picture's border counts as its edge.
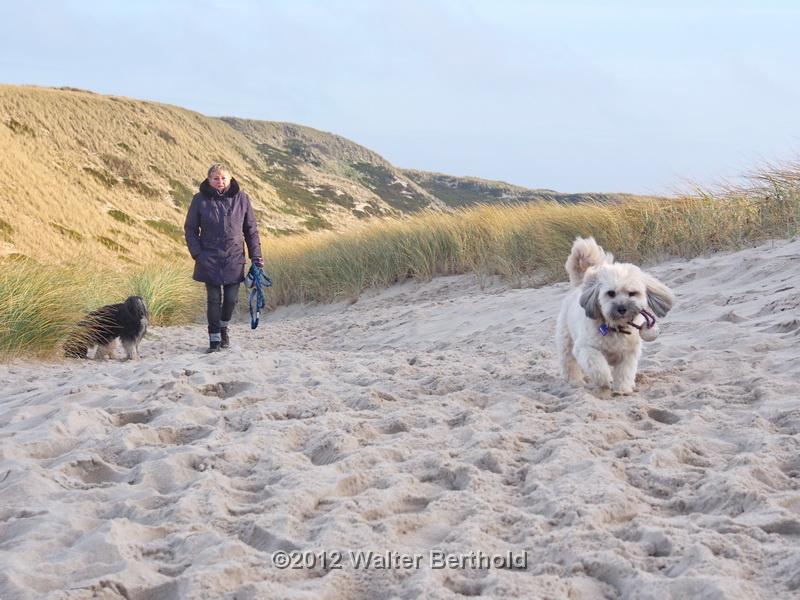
(596, 331)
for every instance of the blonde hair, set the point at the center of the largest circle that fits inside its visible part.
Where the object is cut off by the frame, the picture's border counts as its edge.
(218, 167)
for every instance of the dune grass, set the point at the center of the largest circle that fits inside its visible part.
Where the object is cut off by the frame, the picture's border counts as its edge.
(41, 305)
(522, 244)
(34, 310)
(169, 292)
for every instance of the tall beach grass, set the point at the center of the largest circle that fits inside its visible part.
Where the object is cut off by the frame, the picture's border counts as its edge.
(525, 244)
(522, 244)
(41, 305)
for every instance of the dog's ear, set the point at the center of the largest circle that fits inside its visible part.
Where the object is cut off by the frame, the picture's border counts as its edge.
(590, 296)
(139, 307)
(132, 307)
(659, 297)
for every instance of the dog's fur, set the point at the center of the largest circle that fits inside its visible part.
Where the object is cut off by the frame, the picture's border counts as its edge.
(126, 321)
(604, 292)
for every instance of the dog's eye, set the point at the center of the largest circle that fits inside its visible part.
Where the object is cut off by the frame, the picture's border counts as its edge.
(633, 293)
(611, 293)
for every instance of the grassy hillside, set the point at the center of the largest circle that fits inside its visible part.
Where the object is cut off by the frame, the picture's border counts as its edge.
(87, 174)
(458, 192)
(111, 178)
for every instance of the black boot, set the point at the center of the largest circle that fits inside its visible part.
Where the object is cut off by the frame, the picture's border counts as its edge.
(223, 334)
(213, 347)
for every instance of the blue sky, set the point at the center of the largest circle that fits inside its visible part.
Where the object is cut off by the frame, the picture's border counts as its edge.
(573, 96)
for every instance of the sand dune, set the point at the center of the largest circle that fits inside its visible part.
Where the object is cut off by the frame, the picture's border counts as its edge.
(425, 417)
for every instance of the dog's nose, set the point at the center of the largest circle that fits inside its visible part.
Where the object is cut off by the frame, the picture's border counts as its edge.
(622, 309)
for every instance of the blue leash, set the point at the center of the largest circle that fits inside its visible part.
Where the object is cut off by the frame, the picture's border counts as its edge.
(257, 279)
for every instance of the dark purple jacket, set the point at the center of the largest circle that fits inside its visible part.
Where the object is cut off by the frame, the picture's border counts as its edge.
(217, 228)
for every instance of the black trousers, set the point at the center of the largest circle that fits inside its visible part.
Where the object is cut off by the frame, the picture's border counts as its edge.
(221, 302)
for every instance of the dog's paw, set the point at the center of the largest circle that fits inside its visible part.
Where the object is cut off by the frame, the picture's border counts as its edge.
(603, 381)
(623, 386)
(603, 393)
(600, 388)
(576, 380)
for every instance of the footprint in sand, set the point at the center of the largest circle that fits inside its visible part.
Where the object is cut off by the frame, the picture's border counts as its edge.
(394, 425)
(240, 423)
(353, 485)
(791, 468)
(224, 389)
(411, 504)
(652, 483)
(162, 553)
(783, 327)
(488, 462)
(91, 473)
(50, 449)
(663, 416)
(780, 305)
(328, 448)
(731, 317)
(180, 437)
(325, 454)
(261, 539)
(787, 422)
(464, 586)
(459, 420)
(455, 480)
(782, 527)
(123, 418)
(685, 278)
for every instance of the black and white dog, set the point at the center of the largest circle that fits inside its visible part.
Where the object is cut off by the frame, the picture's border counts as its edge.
(126, 321)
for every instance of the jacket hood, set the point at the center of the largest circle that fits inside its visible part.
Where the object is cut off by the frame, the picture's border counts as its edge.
(230, 192)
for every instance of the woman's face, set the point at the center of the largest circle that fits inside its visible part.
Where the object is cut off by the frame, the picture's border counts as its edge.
(219, 180)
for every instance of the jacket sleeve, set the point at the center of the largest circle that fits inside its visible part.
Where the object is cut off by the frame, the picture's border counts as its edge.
(250, 230)
(191, 228)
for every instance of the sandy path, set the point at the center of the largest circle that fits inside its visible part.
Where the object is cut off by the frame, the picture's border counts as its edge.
(428, 416)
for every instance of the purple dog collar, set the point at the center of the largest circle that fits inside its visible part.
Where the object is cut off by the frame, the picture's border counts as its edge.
(605, 329)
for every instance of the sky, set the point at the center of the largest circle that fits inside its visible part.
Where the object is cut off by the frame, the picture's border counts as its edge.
(603, 96)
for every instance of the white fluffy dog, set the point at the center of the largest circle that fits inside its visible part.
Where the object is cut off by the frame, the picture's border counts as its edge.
(596, 333)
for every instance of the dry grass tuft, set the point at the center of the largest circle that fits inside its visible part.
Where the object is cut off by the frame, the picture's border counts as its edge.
(528, 244)
(41, 305)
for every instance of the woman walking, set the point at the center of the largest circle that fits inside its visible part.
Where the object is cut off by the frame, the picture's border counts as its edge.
(219, 223)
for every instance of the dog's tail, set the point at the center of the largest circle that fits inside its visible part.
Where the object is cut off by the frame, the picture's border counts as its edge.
(585, 253)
